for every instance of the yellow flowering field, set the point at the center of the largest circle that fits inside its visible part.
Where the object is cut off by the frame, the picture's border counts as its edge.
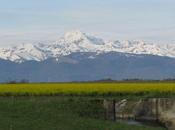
(85, 88)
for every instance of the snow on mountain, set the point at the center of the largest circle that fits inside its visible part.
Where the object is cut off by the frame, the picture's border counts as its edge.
(140, 47)
(22, 52)
(76, 41)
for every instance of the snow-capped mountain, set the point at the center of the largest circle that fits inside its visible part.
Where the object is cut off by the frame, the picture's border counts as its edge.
(77, 41)
(79, 67)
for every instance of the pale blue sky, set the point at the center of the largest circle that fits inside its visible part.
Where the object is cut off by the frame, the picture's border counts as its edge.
(42, 20)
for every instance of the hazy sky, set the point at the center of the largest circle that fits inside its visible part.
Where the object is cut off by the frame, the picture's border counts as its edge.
(24, 21)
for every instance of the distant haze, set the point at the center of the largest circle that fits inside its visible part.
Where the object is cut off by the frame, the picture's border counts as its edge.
(24, 21)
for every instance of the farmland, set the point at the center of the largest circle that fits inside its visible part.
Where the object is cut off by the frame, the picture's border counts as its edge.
(91, 89)
(71, 106)
(57, 113)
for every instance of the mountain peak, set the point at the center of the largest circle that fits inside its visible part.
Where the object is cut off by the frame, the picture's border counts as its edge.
(77, 41)
(75, 32)
(73, 36)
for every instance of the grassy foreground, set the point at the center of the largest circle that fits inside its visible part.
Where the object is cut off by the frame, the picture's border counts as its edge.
(57, 113)
(92, 89)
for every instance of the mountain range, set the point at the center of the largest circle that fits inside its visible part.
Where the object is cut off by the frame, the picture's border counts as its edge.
(80, 57)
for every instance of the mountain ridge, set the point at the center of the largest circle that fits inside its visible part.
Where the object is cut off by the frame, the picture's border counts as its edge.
(77, 41)
(81, 67)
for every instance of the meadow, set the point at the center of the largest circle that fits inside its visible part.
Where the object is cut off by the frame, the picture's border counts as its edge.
(70, 106)
(58, 113)
(151, 89)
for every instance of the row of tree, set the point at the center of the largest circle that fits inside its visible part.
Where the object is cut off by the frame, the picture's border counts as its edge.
(24, 81)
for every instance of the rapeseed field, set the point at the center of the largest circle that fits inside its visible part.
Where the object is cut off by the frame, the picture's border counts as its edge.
(87, 88)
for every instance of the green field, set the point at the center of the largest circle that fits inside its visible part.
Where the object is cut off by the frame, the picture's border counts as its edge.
(92, 89)
(57, 113)
(69, 106)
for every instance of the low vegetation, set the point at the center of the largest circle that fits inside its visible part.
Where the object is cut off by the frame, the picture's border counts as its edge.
(69, 106)
(57, 113)
(150, 89)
